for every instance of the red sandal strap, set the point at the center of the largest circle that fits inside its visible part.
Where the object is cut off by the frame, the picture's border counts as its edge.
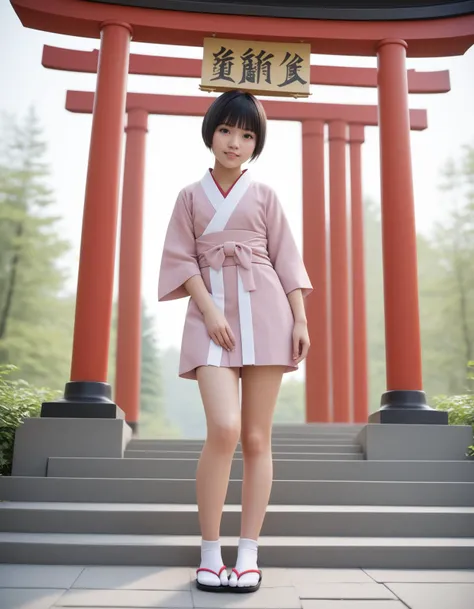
(239, 575)
(223, 568)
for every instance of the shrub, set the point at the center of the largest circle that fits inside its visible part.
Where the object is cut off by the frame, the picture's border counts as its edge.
(460, 408)
(18, 400)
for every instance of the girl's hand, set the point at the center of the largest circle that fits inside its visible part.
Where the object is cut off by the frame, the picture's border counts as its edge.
(218, 328)
(301, 342)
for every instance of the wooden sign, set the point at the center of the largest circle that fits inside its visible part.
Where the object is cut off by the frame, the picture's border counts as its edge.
(265, 68)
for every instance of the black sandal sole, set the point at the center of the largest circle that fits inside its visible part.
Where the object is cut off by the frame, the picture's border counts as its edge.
(216, 589)
(246, 589)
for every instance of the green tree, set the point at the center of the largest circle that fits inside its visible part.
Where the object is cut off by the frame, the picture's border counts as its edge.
(35, 314)
(151, 386)
(449, 293)
(153, 419)
(439, 341)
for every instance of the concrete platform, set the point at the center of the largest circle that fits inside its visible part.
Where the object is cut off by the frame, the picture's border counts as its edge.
(81, 586)
(39, 438)
(415, 442)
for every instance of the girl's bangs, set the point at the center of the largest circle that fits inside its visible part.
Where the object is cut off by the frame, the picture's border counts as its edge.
(243, 114)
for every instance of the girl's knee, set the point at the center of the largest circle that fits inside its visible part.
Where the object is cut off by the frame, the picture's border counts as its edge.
(255, 443)
(224, 436)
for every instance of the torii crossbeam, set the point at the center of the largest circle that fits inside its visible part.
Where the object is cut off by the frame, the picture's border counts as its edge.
(82, 102)
(74, 60)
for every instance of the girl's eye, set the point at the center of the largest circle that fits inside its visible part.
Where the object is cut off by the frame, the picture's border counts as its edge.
(224, 130)
(248, 136)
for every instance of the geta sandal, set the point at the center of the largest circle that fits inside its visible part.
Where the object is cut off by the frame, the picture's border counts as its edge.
(220, 588)
(245, 589)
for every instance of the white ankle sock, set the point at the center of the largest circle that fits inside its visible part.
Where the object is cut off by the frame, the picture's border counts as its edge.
(211, 558)
(246, 559)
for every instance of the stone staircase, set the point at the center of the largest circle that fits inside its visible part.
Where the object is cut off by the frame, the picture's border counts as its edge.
(330, 507)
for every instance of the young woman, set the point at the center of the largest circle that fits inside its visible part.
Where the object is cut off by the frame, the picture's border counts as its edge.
(229, 247)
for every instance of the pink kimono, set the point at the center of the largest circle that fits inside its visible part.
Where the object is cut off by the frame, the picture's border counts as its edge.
(242, 246)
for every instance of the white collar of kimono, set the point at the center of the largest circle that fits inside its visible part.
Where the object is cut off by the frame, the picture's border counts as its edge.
(216, 197)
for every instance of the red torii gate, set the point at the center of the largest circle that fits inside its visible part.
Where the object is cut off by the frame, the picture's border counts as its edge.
(318, 379)
(313, 117)
(391, 41)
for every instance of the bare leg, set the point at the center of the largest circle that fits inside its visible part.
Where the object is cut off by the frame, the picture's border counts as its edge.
(219, 389)
(260, 387)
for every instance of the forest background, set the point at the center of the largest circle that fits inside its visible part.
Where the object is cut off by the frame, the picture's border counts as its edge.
(37, 306)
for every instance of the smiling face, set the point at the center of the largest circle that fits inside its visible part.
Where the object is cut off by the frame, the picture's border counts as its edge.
(233, 146)
(234, 128)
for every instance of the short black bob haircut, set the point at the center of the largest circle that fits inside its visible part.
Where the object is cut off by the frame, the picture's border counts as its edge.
(236, 109)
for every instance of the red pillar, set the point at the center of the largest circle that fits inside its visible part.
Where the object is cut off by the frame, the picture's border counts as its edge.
(96, 266)
(404, 401)
(341, 356)
(359, 322)
(128, 363)
(402, 327)
(314, 254)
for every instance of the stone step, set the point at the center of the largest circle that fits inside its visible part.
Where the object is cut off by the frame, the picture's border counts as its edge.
(295, 437)
(173, 550)
(323, 427)
(288, 432)
(284, 520)
(194, 454)
(284, 492)
(178, 469)
(315, 428)
(315, 433)
(308, 430)
(284, 469)
(276, 448)
(291, 446)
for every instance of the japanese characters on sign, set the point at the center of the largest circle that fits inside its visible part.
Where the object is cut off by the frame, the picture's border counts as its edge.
(268, 68)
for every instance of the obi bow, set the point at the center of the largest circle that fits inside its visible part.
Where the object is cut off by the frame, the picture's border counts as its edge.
(242, 255)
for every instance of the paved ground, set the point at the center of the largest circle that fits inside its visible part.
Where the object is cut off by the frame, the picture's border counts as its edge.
(47, 587)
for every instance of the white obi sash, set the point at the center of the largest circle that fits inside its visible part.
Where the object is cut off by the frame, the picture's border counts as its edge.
(215, 257)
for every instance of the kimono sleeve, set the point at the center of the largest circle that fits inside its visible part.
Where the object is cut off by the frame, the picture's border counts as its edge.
(284, 254)
(179, 260)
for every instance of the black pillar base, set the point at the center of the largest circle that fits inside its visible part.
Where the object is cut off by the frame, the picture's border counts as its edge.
(407, 407)
(84, 400)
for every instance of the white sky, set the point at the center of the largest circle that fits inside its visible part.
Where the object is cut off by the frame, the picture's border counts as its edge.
(176, 155)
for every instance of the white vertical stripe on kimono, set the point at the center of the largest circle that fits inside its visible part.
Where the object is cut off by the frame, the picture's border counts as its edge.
(225, 207)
